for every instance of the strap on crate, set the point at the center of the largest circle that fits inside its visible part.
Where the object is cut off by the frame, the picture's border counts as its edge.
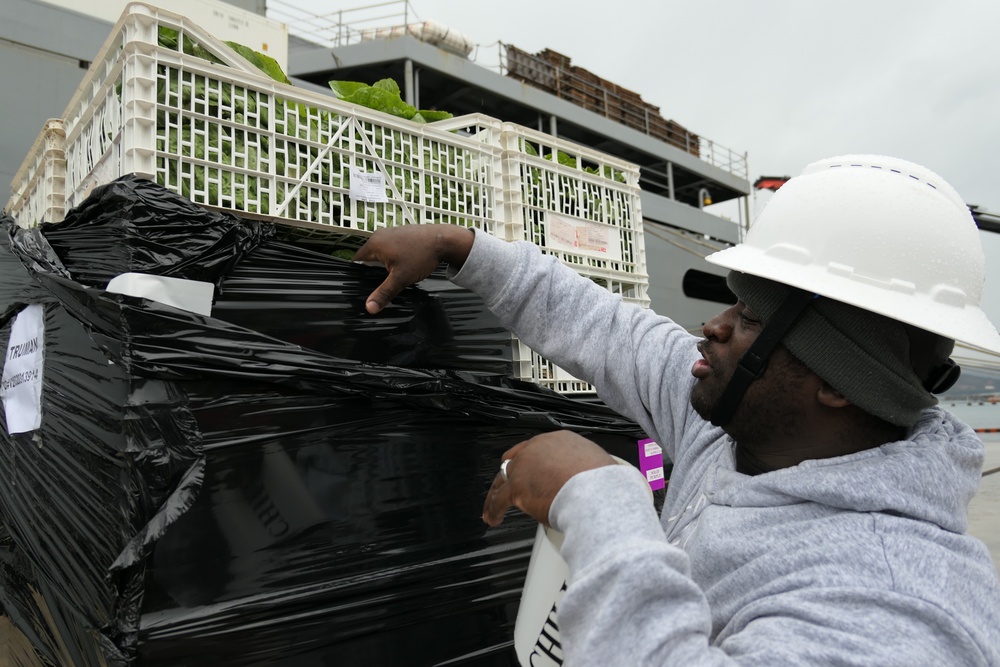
(293, 193)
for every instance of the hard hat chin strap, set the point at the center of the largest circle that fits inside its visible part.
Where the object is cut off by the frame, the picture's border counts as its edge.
(753, 362)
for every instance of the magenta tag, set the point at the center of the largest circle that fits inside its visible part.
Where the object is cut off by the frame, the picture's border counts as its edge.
(651, 463)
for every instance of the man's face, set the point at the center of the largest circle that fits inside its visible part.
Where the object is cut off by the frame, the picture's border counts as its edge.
(772, 402)
(727, 336)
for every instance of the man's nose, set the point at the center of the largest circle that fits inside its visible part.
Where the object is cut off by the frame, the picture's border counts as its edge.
(718, 328)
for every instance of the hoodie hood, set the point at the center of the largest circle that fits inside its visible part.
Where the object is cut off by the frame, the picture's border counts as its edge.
(932, 476)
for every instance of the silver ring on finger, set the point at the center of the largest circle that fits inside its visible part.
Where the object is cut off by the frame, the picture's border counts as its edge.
(503, 469)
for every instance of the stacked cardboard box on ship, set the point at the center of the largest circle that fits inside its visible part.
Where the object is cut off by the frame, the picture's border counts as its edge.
(554, 72)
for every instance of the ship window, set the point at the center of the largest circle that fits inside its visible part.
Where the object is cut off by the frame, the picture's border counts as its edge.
(708, 286)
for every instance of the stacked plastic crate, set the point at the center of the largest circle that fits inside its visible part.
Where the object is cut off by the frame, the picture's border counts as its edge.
(38, 190)
(576, 203)
(190, 114)
(213, 128)
(582, 206)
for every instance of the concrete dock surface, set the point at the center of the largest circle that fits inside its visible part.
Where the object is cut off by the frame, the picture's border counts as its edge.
(984, 510)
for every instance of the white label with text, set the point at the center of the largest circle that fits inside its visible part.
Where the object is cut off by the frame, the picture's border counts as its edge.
(367, 186)
(21, 385)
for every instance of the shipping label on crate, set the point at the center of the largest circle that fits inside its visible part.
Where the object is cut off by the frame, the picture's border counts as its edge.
(21, 385)
(582, 237)
(367, 186)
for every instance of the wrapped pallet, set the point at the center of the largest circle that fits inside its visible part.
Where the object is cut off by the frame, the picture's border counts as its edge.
(213, 456)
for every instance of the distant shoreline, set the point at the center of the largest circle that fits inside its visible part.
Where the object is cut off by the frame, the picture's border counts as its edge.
(982, 415)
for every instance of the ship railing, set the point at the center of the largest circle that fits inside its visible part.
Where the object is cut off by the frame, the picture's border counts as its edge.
(724, 158)
(343, 27)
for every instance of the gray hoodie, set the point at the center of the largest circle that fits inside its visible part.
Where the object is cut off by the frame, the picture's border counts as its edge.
(855, 560)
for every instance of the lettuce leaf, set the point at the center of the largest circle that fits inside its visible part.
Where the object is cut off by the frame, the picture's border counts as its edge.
(382, 96)
(431, 116)
(263, 62)
(344, 89)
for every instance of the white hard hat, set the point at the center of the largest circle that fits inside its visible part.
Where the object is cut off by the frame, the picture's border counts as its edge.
(879, 233)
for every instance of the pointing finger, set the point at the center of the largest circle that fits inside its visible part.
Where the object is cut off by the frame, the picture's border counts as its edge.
(498, 501)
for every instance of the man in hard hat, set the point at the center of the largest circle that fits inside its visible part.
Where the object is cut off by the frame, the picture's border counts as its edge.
(816, 512)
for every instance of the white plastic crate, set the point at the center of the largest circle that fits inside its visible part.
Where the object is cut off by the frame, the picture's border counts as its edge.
(577, 203)
(583, 206)
(475, 126)
(227, 137)
(38, 189)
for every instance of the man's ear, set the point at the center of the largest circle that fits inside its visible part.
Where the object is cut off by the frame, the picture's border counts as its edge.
(830, 397)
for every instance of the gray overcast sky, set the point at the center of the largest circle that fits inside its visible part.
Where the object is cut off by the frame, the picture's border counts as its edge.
(786, 81)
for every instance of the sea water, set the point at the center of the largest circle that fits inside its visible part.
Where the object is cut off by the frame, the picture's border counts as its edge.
(978, 415)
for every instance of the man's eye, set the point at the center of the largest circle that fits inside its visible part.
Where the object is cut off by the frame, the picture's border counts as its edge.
(748, 318)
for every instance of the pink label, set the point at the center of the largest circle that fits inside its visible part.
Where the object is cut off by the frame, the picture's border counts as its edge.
(651, 463)
(563, 232)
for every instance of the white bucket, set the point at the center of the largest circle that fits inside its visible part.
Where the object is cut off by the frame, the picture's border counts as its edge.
(536, 630)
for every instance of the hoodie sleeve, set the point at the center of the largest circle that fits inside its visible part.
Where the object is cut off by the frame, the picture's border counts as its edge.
(638, 361)
(631, 600)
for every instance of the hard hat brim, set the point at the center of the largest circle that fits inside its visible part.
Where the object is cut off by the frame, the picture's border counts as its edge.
(941, 313)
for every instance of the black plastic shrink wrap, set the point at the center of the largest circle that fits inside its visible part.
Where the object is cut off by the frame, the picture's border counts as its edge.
(287, 482)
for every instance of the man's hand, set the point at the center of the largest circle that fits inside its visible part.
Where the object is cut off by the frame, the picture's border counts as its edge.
(537, 470)
(411, 253)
